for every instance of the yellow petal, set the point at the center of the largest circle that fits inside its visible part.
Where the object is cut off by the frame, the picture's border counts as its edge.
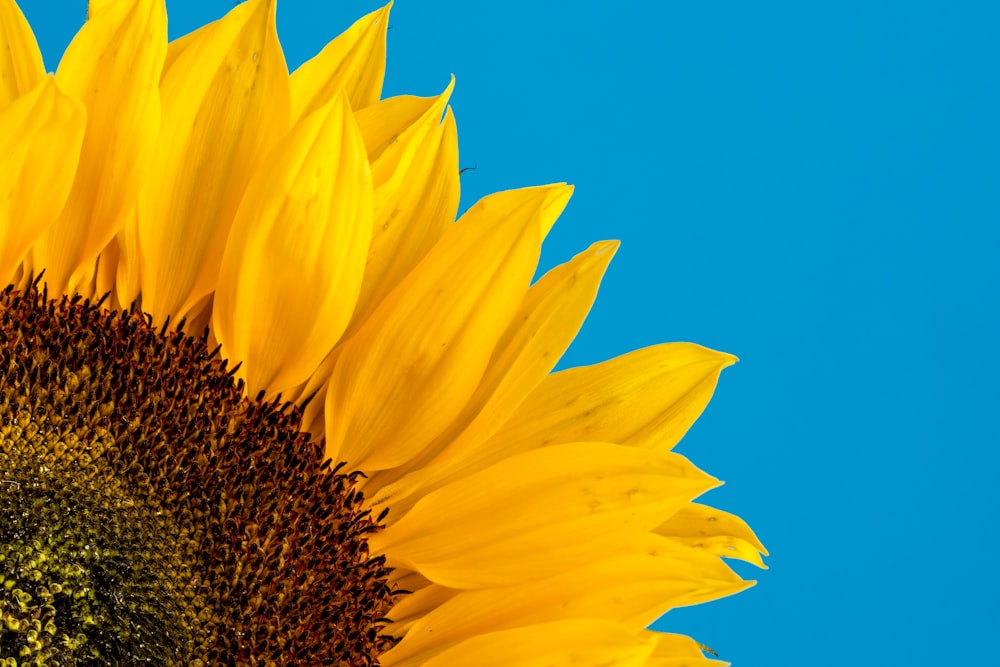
(646, 398)
(95, 6)
(21, 67)
(177, 46)
(225, 104)
(413, 607)
(538, 513)
(554, 206)
(678, 651)
(40, 138)
(717, 532)
(408, 371)
(574, 643)
(557, 195)
(113, 66)
(354, 63)
(293, 266)
(382, 125)
(383, 122)
(416, 200)
(543, 328)
(633, 590)
(540, 332)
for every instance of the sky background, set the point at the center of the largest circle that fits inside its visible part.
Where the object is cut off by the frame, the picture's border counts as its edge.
(811, 186)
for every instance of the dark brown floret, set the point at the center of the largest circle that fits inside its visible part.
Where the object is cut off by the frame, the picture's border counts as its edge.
(152, 515)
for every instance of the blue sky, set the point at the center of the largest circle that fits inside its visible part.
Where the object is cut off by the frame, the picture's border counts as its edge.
(810, 186)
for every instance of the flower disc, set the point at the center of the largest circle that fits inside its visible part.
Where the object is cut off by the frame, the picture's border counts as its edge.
(151, 514)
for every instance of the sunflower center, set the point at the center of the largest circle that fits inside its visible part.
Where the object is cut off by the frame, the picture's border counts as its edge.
(151, 514)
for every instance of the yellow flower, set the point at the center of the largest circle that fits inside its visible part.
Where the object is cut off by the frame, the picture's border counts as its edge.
(193, 237)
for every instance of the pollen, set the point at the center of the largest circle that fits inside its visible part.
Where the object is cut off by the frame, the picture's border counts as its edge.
(151, 514)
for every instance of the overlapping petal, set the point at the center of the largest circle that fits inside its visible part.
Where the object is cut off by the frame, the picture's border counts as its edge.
(556, 507)
(408, 371)
(40, 138)
(571, 643)
(539, 518)
(113, 66)
(21, 67)
(547, 321)
(353, 63)
(646, 398)
(304, 226)
(632, 589)
(717, 532)
(225, 105)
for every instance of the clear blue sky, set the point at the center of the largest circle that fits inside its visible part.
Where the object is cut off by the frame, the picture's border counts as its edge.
(810, 186)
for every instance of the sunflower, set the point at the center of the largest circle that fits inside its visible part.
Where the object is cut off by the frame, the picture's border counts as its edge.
(263, 401)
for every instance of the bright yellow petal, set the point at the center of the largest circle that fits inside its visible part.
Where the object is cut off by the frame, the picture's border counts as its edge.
(293, 266)
(540, 332)
(416, 200)
(21, 66)
(40, 138)
(575, 643)
(113, 66)
(402, 378)
(354, 63)
(633, 590)
(646, 398)
(717, 532)
(225, 105)
(95, 6)
(383, 122)
(678, 651)
(538, 513)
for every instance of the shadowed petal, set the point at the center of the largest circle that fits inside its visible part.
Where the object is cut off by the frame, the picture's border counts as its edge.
(40, 138)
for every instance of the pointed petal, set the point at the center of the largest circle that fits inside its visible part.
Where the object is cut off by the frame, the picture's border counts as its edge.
(416, 200)
(547, 322)
(573, 643)
(678, 651)
(538, 513)
(21, 67)
(410, 609)
(540, 332)
(40, 138)
(383, 122)
(113, 66)
(408, 371)
(557, 195)
(717, 532)
(354, 62)
(225, 104)
(554, 206)
(646, 398)
(633, 590)
(296, 255)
